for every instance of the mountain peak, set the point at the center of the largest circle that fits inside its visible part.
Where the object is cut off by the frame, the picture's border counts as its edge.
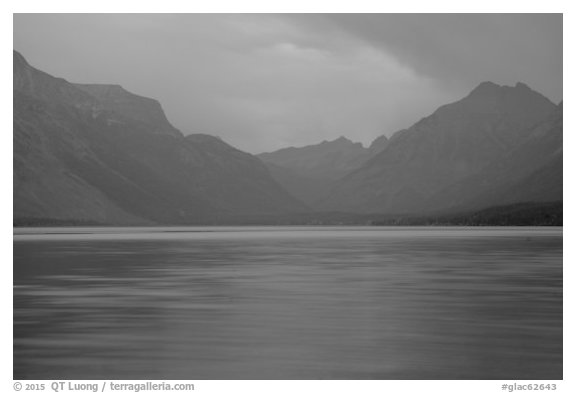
(379, 143)
(520, 85)
(340, 140)
(485, 88)
(343, 139)
(520, 99)
(19, 60)
(490, 89)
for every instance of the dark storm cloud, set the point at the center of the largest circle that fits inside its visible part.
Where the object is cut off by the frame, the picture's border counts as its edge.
(462, 49)
(267, 81)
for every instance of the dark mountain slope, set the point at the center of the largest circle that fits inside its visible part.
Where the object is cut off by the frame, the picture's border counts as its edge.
(457, 141)
(103, 154)
(147, 111)
(531, 172)
(44, 187)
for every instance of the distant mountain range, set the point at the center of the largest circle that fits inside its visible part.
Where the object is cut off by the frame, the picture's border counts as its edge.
(499, 145)
(309, 172)
(100, 154)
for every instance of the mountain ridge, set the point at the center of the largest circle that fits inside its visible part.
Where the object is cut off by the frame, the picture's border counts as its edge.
(99, 153)
(308, 172)
(454, 142)
(94, 158)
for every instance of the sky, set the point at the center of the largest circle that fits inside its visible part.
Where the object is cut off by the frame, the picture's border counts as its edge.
(267, 81)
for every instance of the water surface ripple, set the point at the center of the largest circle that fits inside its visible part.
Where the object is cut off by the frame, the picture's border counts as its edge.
(288, 303)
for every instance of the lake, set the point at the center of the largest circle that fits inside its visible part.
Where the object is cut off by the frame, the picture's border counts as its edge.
(288, 303)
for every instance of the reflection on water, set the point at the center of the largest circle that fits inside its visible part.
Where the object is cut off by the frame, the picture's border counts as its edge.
(288, 303)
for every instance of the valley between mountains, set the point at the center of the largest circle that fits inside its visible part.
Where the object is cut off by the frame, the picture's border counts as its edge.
(87, 154)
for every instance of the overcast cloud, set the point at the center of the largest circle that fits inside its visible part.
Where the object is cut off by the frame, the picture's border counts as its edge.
(263, 82)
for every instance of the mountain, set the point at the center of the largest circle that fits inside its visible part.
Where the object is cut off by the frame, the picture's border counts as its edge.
(457, 143)
(330, 159)
(144, 110)
(308, 172)
(99, 153)
(86, 153)
(531, 172)
(378, 145)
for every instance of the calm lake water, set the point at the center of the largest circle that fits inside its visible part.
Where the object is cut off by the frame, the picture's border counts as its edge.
(288, 303)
